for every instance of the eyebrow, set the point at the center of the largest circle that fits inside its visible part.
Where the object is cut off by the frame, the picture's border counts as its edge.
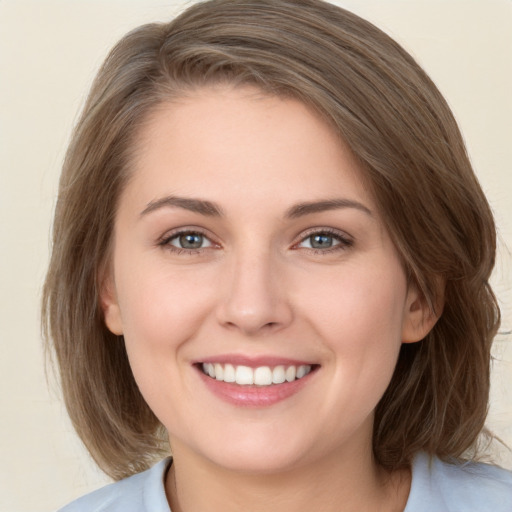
(210, 209)
(194, 205)
(308, 208)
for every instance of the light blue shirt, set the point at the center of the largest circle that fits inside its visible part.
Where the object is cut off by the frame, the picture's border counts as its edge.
(436, 487)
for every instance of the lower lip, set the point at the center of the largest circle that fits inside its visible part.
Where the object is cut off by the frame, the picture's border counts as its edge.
(254, 396)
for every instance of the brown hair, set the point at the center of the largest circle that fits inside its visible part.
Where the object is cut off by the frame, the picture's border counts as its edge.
(399, 127)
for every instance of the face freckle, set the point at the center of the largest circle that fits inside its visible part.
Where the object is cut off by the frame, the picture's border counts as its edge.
(248, 247)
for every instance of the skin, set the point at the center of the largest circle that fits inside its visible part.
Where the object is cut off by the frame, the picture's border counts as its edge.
(257, 287)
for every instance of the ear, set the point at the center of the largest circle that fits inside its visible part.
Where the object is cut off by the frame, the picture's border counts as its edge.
(420, 316)
(109, 304)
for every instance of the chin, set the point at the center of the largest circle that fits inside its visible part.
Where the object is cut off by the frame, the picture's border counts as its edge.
(259, 458)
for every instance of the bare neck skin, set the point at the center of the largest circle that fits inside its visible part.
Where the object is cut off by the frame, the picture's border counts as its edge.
(347, 482)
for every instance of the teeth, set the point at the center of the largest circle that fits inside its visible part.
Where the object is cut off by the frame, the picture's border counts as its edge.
(302, 371)
(291, 372)
(244, 375)
(261, 376)
(219, 371)
(229, 373)
(278, 375)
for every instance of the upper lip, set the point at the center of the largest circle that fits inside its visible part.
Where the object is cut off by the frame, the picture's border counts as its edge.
(253, 361)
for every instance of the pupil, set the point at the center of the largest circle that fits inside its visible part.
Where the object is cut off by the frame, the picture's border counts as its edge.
(191, 241)
(321, 241)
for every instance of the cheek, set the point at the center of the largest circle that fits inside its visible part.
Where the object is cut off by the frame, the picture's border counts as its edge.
(159, 306)
(359, 317)
(160, 314)
(161, 311)
(360, 303)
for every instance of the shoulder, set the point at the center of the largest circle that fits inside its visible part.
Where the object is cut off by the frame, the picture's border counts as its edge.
(468, 487)
(139, 493)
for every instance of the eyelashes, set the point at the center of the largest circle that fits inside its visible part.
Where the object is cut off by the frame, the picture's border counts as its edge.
(187, 241)
(324, 240)
(193, 241)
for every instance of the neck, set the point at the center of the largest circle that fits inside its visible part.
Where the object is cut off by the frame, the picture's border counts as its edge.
(336, 483)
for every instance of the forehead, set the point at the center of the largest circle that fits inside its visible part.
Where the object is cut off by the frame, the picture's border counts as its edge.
(222, 141)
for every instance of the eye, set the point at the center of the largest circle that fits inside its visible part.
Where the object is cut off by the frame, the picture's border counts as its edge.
(325, 241)
(186, 240)
(319, 241)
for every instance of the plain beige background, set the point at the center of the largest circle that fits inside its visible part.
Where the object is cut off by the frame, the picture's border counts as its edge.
(49, 51)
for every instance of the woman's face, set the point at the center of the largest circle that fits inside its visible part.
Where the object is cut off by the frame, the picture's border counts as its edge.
(246, 246)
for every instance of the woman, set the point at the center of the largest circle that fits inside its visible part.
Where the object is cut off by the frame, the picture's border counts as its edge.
(274, 257)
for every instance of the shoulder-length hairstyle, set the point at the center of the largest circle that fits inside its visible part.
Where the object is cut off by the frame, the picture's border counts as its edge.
(410, 151)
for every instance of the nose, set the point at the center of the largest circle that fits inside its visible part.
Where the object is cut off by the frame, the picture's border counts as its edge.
(254, 295)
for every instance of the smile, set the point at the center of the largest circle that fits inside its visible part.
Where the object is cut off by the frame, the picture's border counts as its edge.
(255, 382)
(259, 376)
